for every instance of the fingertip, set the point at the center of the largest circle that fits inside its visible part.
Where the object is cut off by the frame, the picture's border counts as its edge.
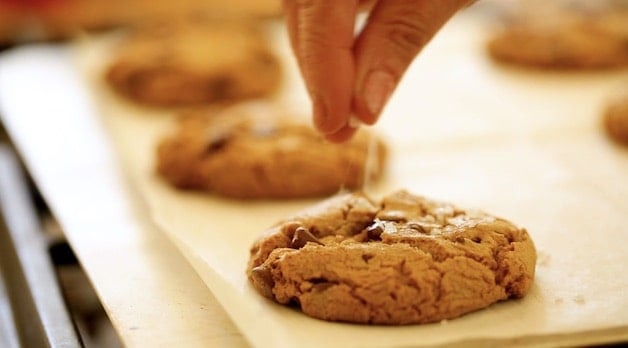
(342, 135)
(329, 120)
(320, 115)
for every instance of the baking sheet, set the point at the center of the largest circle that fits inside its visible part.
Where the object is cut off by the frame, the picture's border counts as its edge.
(150, 292)
(525, 146)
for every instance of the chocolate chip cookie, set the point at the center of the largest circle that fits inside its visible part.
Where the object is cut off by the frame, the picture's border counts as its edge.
(402, 260)
(249, 153)
(616, 120)
(191, 62)
(583, 41)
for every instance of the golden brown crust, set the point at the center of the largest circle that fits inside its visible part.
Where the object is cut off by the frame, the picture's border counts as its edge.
(194, 62)
(403, 260)
(243, 154)
(597, 41)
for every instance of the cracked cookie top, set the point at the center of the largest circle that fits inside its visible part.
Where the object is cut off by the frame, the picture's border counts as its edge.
(405, 259)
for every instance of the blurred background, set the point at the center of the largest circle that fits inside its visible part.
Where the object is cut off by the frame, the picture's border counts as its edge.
(35, 20)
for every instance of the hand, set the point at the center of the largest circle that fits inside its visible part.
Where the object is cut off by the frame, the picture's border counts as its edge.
(353, 76)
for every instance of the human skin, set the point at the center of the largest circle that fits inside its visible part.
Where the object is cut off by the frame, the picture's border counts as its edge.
(350, 77)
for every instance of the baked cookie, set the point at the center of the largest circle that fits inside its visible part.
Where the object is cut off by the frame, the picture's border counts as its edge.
(403, 260)
(616, 120)
(244, 153)
(595, 41)
(194, 62)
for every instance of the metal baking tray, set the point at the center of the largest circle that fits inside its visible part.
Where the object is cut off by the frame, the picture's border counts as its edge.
(32, 310)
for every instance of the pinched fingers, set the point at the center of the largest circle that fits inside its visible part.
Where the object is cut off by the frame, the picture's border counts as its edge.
(348, 76)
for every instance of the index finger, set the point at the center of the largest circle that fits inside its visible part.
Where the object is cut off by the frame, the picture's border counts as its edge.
(322, 35)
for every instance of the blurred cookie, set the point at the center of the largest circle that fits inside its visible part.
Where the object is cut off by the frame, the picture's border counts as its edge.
(244, 153)
(584, 41)
(194, 62)
(616, 120)
(28, 20)
(402, 260)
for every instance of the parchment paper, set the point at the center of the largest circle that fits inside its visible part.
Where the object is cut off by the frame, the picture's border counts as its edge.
(523, 145)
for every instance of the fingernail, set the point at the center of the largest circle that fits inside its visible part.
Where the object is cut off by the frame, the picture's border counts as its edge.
(378, 87)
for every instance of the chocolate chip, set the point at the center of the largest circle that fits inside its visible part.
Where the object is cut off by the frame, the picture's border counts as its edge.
(220, 87)
(367, 257)
(375, 230)
(263, 279)
(301, 237)
(216, 143)
(294, 302)
(138, 80)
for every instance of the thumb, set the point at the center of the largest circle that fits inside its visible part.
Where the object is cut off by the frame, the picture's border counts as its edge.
(395, 33)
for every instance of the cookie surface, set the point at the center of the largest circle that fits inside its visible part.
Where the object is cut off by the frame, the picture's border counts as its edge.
(194, 62)
(243, 154)
(616, 120)
(403, 260)
(565, 42)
